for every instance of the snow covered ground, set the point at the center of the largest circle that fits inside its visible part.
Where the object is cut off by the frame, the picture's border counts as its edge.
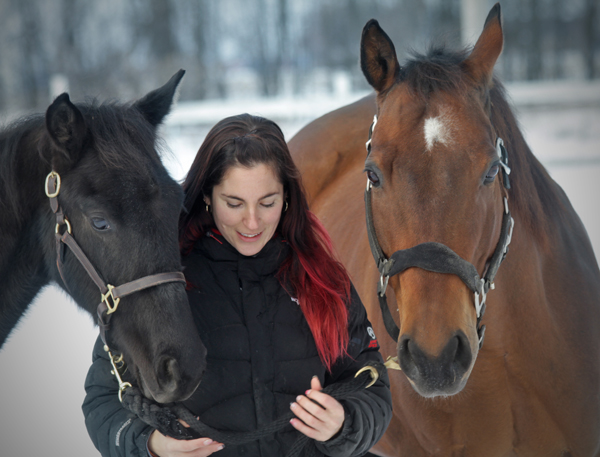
(44, 363)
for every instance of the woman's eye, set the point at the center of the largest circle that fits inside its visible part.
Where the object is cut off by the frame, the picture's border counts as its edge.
(100, 223)
(231, 205)
(492, 172)
(269, 205)
(371, 176)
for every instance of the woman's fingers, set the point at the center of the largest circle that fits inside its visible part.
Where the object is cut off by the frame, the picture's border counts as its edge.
(166, 446)
(320, 415)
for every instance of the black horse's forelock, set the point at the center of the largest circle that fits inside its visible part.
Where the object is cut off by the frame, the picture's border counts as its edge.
(121, 135)
(118, 133)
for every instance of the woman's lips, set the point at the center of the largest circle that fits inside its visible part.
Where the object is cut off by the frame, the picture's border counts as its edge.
(249, 238)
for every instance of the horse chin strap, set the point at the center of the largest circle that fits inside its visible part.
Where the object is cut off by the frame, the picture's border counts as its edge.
(439, 258)
(110, 296)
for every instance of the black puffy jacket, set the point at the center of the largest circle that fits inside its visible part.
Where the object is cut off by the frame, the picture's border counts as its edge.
(261, 355)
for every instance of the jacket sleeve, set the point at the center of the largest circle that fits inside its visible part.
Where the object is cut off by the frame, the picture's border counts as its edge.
(114, 431)
(368, 412)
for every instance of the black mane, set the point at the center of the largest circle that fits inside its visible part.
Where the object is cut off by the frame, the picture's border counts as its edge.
(112, 129)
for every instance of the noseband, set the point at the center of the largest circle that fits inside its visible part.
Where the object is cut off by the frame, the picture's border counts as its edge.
(110, 295)
(437, 257)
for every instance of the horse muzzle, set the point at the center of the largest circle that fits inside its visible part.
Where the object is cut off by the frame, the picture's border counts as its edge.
(444, 374)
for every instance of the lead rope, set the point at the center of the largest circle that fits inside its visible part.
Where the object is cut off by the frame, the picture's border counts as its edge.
(164, 417)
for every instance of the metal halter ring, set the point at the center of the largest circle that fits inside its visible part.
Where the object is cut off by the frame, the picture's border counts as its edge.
(67, 223)
(111, 309)
(383, 283)
(52, 174)
(374, 374)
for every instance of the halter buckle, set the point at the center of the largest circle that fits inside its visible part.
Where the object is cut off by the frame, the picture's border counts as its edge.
(368, 143)
(502, 155)
(510, 233)
(481, 335)
(113, 308)
(480, 298)
(56, 176)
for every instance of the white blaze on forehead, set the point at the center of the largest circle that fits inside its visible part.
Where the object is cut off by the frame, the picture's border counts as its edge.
(437, 129)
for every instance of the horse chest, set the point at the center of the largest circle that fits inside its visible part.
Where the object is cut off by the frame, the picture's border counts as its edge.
(494, 416)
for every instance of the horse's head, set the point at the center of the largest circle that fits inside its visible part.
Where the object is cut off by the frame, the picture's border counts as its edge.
(123, 211)
(434, 174)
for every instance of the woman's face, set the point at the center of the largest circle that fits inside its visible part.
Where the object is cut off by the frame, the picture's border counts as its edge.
(247, 205)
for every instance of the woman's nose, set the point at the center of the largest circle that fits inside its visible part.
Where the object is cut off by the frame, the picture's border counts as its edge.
(251, 219)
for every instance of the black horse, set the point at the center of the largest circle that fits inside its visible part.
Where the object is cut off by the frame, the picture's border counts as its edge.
(122, 209)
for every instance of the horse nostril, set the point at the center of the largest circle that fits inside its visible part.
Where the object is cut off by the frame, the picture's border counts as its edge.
(168, 373)
(462, 353)
(405, 351)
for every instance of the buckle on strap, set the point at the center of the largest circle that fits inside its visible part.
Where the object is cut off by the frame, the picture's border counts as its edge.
(113, 308)
(480, 298)
(368, 143)
(56, 177)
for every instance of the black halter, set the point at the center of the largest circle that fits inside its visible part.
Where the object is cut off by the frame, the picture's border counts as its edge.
(437, 257)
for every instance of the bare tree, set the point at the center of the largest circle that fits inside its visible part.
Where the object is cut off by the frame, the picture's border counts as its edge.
(590, 38)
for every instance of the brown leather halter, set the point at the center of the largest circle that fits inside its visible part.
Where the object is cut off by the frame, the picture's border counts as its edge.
(108, 292)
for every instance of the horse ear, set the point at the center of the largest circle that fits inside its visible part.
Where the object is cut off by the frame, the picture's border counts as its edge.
(156, 104)
(486, 51)
(67, 129)
(378, 59)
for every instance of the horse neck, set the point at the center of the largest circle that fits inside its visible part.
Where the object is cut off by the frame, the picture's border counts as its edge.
(535, 199)
(22, 171)
(22, 268)
(543, 215)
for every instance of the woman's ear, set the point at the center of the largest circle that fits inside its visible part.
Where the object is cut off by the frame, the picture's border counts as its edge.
(206, 200)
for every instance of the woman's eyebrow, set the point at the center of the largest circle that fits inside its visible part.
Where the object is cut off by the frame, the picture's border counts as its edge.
(241, 199)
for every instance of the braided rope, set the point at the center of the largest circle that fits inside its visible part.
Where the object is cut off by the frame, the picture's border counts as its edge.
(164, 417)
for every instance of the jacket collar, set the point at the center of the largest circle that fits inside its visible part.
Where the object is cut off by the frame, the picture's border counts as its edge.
(266, 262)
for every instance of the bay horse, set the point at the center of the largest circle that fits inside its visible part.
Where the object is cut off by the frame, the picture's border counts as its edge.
(86, 203)
(442, 203)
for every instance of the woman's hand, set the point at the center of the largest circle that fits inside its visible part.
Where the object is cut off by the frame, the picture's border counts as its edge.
(320, 420)
(165, 446)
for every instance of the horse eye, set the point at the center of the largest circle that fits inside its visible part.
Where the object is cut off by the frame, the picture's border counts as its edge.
(491, 174)
(371, 176)
(100, 223)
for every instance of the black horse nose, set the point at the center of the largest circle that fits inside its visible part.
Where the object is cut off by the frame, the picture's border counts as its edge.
(168, 375)
(435, 376)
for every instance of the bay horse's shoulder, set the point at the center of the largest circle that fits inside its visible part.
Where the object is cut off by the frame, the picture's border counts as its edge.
(328, 144)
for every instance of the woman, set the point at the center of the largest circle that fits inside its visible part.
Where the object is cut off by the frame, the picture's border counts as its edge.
(276, 311)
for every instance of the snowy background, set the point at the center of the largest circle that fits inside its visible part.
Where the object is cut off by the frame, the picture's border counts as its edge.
(44, 363)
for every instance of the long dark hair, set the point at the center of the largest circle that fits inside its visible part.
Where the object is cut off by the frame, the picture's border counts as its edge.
(318, 280)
